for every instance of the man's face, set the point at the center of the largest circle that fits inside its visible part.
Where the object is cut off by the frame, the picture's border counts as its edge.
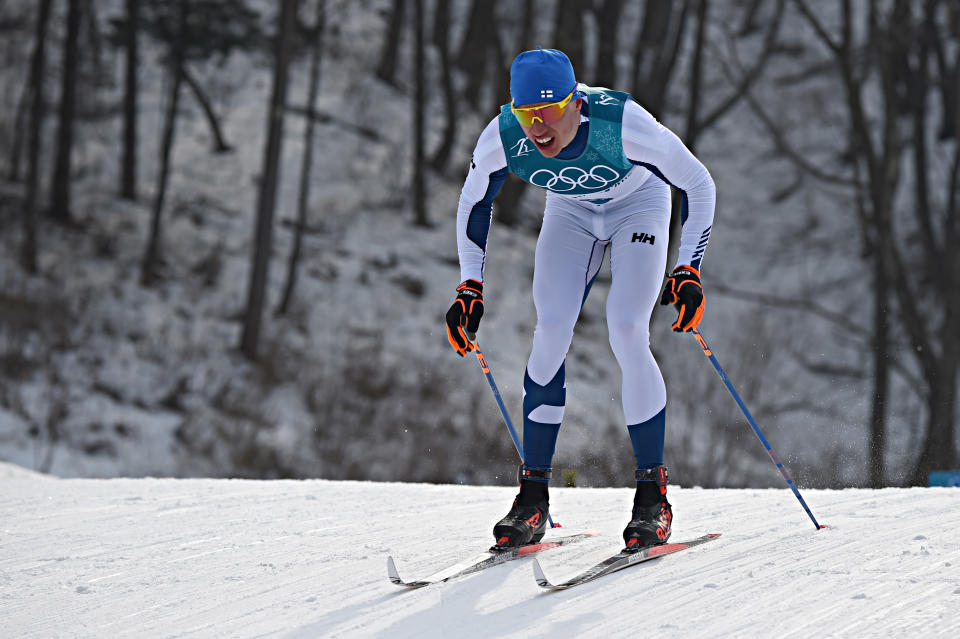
(551, 138)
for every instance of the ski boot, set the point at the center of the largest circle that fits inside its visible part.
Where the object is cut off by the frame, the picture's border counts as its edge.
(526, 522)
(651, 518)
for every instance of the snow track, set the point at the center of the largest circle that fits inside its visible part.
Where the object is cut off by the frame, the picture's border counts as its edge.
(204, 558)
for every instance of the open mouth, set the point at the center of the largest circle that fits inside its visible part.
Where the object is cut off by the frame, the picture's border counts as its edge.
(544, 143)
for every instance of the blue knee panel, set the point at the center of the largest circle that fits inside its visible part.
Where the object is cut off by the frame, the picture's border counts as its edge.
(540, 439)
(647, 439)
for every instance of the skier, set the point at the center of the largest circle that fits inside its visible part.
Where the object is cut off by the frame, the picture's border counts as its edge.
(607, 166)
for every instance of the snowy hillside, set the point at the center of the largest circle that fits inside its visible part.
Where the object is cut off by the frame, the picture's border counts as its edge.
(104, 377)
(229, 558)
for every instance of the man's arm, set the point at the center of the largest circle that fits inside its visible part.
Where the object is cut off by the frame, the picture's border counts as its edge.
(488, 171)
(655, 147)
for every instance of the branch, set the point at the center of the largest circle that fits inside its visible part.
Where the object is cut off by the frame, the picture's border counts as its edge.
(819, 28)
(837, 319)
(326, 118)
(782, 145)
(769, 42)
(912, 319)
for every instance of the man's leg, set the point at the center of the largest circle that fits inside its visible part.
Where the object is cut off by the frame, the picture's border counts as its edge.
(568, 257)
(638, 256)
(638, 261)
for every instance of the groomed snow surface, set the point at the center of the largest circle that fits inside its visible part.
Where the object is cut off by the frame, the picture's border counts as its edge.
(228, 558)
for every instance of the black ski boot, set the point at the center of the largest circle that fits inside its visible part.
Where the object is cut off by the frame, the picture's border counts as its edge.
(526, 522)
(651, 518)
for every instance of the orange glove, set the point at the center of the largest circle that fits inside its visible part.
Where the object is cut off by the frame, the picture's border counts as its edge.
(465, 313)
(684, 291)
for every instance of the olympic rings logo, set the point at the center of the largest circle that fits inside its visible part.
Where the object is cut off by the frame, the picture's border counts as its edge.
(572, 177)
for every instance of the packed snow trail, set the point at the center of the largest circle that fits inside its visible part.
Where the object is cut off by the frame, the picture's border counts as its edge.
(226, 558)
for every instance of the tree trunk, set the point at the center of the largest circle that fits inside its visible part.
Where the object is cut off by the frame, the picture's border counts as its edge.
(263, 231)
(608, 17)
(475, 50)
(950, 87)
(696, 77)
(220, 145)
(419, 105)
(92, 43)
(19, 127)
(881, 378)
(938, 451)
(128, 174)
(500, 84)
(28, 250)
(387, 68)
(525, 42)
(749, 22)
(60, 187)
(661, 36)
(303, 198)
(441, 38)
(152, 256)
(568, 32)
(943, 270)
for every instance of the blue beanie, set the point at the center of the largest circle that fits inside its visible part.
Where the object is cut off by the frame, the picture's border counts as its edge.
(541, 75)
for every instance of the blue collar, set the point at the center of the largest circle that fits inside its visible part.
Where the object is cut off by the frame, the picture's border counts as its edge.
(577, 145)
(579, 142)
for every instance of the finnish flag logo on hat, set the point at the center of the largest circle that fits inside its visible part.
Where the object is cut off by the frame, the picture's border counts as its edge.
(541, 75)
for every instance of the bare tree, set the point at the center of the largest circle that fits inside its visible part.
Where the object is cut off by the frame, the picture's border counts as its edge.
(419, 105)
(19, 127)
(568, 31)
(152, 256)
(608, 17)
(916, 284)
(266, 202)
(477, 49)
(387, 67)
(441, 39)
(60, 187)
(658, 47)
(128, 163)
(303, 197)
(220, 145)
(28, 251)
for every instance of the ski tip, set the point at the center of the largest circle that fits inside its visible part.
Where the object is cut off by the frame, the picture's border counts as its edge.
(538, 574)
(714, 535)
(392, 571)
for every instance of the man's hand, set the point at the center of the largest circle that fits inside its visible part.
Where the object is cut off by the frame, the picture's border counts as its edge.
(684, 291)
(465, 313)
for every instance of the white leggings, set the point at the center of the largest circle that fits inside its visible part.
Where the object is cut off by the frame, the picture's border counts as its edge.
(570, 249)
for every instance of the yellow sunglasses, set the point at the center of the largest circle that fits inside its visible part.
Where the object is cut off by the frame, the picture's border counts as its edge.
(548, 113)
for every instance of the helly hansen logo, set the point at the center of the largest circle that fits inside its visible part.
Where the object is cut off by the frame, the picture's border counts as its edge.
(643, 237)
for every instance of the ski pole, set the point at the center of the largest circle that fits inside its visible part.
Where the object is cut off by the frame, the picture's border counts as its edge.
(503, 409)
(753, 423)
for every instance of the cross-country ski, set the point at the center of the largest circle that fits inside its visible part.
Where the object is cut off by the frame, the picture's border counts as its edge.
(617, 562)
(480, 561)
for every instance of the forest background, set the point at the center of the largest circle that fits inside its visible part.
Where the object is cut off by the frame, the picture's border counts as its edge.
(227, 237)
